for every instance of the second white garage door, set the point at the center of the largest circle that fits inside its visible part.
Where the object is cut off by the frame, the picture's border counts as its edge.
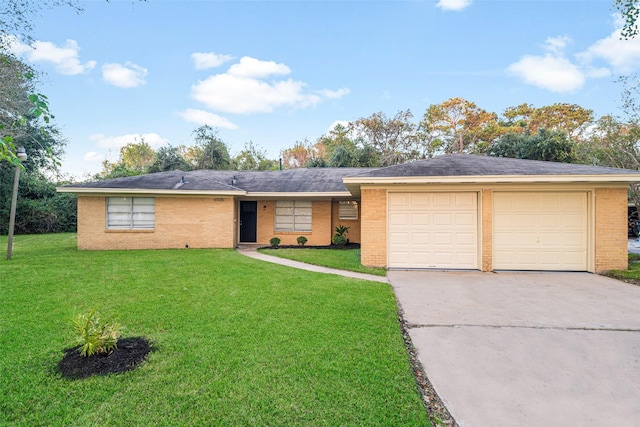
(540, 231)
(433, 230)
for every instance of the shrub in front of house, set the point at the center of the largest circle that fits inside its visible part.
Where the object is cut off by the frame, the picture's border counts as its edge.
(339, 239)
(301, 240)
(274, 242)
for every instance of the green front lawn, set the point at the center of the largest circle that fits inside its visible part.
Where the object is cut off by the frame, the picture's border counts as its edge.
(632, 274)
(238, 341)
(342, 259)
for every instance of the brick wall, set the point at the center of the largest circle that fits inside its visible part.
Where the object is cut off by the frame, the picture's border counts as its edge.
(374, 227)
(354, 225)
(320, 234)
(487, 230)
(179, 221)
(610, 229)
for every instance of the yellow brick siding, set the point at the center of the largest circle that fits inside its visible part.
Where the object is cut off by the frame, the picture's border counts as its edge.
(354, 225)
(179, 221)
(610, 229)
(374, 227)
(486, 221)
(320, 234)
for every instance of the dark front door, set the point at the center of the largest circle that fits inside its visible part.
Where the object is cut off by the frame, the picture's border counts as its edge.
(248, 221)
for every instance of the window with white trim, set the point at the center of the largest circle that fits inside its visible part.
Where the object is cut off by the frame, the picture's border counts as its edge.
(348, 209)
(131, 212)
(293, 215)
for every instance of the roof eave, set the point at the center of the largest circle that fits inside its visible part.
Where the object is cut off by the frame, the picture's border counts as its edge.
(350, 182)
(87, 190)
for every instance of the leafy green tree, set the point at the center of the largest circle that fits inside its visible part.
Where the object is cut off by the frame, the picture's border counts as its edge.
(547, 145)
(170, 158)
(392, 137)
(630, 10)
(210, 152)
(252, 157)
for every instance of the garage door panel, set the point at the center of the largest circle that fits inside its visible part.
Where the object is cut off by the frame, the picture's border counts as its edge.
(540, 231)
(437, 230)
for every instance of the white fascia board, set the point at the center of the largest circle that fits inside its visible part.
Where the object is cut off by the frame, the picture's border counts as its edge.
(472, 179)
(83, 190)
(308, 194)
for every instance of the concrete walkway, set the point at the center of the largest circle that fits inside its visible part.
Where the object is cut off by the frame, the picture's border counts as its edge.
(527, 349)
(253, 253)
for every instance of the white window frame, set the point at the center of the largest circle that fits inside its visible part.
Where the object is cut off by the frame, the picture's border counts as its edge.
(129, 213)
(348, 210)
(293, 215)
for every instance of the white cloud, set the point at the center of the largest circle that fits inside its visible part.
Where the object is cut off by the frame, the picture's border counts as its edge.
(550, 72)
(125, 76)
(65, 59)
(93, 157)
(255, 68)
(206, 118)
(453, 4)
(556, 45)
(622, 55)
(334, 94)
(104, 141)
(202, 60)
(244, 89)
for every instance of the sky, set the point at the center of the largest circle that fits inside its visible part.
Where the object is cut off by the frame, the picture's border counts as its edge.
(277, 72)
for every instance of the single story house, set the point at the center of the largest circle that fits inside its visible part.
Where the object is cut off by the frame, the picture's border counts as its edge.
(450, 212)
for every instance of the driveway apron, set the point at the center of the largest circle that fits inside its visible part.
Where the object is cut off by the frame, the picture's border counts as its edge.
(527, 349)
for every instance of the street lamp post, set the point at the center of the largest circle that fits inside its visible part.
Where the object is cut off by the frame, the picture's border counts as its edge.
(21, 154)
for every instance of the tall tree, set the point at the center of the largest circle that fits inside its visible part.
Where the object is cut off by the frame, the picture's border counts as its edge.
(392, 137)
(547, 145)
(210, 152)
(459, 125)
(170, 158)
(252, 157)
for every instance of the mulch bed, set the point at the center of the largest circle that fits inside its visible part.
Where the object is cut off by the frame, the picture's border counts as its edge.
(129, 354)
(347, 246)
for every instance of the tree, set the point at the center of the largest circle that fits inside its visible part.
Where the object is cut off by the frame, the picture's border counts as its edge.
(630, 11)
(458, 125)
(392, 137)
(137, 155)
(210, 152)
(547, 145)
(252, 157)
(170, 158)
(299, 156)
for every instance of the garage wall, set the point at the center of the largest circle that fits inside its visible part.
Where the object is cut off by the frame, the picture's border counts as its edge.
(373, 227)
(611, 229)
(199, 222)
(486, 221)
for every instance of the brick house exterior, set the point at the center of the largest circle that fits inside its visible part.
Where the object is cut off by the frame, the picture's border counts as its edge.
(523, 214)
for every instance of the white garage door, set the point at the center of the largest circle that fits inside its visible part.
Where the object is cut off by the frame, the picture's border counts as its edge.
(433, 230)
(540, 231)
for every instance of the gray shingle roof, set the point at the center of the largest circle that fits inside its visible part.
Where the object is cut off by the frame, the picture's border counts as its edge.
(329, 180)
(311, 180)
(471, 165)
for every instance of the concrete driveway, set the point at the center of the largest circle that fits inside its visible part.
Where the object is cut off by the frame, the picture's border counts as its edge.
(527, 349)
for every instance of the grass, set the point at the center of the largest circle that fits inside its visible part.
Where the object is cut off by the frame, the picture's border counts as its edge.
(344, 259)
(632, 274)
(238, 341)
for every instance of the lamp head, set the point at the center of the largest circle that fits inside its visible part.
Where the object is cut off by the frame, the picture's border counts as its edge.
(21, 154)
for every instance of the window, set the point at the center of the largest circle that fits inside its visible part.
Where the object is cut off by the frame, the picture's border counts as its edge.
(348, 209)
(131, 212)
(294, 215)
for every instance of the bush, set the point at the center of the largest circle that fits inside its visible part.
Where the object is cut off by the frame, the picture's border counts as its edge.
(93, 336)
(301, 240)
(275, 242)
(339, 240)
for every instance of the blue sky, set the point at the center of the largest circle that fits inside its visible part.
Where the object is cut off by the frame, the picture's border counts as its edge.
(274, 72)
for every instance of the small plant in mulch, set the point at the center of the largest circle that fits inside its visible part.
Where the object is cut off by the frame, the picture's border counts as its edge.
(301, 240)
(274, 242)
(340, 238)
(100, 350)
